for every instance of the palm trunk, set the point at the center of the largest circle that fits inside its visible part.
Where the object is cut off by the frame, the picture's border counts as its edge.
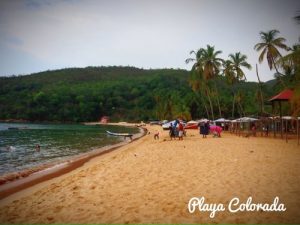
(241, 108)
(233, 104)
(203, 102)
(210, 103)
(281, 81)
(260, 92)
(218, 102)
(205, 106)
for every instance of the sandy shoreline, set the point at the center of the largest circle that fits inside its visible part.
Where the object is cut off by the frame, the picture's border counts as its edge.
(152, 181)
(14, 182)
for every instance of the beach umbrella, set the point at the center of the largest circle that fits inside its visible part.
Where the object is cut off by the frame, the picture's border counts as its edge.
(221, 120)
(203, 120)
(246, 119)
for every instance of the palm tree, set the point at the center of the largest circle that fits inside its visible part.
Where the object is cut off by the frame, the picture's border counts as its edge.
(210, 62)
(269, 47)
(211, 67)
(234, 72)
(198, 87)
(238, 61)
(291, 65)
(207, 65)
(292, 59)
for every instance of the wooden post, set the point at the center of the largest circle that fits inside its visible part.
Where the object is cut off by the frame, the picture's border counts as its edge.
(286, 126)
(298, 130)
(281, 121)
(275, 127)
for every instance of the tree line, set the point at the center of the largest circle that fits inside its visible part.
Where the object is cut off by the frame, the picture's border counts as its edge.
(123, 93)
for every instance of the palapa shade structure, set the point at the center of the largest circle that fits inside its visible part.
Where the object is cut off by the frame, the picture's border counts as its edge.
(283, 96)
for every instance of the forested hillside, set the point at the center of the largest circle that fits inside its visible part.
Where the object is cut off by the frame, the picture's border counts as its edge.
(123, 93)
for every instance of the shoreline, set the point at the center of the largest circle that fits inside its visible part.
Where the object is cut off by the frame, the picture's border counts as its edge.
(18, 181)
(152, 181)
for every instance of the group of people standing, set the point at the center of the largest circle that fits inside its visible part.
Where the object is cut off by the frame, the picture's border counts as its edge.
(175, 131)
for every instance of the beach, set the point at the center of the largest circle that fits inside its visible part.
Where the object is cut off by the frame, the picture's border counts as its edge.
(152, 181)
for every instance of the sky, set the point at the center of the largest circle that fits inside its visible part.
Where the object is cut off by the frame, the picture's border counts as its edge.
(38, 35)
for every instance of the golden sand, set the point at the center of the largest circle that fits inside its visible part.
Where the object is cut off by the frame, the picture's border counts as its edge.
(152, 181)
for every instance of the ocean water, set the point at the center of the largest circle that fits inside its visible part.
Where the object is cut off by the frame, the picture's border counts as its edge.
(57, 141)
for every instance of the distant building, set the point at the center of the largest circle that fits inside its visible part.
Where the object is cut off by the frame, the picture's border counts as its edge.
(104, 119)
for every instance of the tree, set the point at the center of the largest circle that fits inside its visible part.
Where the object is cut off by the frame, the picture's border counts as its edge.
(238, 61)
(269, 48)
(291, 64)
(234, 72)
(208, 65)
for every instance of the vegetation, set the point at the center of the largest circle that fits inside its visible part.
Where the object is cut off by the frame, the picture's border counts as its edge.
(269, 47)
(123, 93)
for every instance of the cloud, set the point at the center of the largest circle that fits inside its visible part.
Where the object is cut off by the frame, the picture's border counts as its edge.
(138, 33)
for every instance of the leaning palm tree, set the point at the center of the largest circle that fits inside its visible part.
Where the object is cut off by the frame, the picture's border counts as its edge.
(269, 47)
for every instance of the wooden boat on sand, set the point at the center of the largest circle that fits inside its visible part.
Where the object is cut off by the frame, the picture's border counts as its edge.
(125, 135)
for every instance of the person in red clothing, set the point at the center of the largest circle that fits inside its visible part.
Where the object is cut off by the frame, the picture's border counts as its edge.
(180, 131)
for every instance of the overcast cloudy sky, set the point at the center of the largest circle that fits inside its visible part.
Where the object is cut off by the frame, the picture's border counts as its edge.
(37, 35)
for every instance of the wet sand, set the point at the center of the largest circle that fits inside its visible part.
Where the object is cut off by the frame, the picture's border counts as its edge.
(152, 181)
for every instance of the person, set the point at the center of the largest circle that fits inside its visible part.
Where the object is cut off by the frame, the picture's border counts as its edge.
(180, 131)
(156, 135)
(201, 126)
(253, 129)
(171, 131)
(37, 148)
(216, 130)
(267, 130)
(206, 129)
(10, 148)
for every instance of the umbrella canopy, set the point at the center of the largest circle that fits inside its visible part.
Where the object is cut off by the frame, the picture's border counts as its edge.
(290, 118)
(221, 120)
(203, 120)
(244, 119)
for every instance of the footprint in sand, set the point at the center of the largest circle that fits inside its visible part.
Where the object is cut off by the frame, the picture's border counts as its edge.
(75, 188)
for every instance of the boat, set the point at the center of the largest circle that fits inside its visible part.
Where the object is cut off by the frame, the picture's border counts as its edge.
(191, 125)
(166, 126)
(120, 134)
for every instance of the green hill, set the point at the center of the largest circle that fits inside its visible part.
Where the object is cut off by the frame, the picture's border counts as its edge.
(123, 93)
